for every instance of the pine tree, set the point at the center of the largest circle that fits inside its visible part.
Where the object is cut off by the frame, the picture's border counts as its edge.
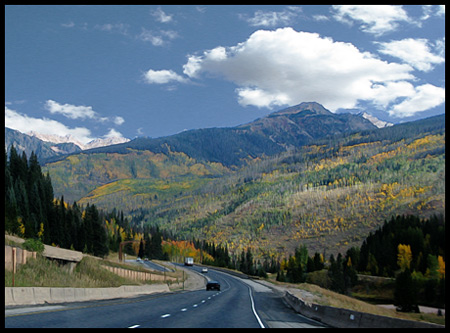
(141, 249)
(405, 293)
(336, 274)
(96, 233)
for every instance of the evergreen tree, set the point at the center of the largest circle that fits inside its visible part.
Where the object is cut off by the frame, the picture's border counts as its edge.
(405, 293)
(147, 245)
(97, 235)
(141, 249)
(336, 274)
(156, 245)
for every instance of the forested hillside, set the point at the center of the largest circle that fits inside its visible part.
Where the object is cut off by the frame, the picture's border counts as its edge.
(327, 195)
(137, 173)
(32, 212)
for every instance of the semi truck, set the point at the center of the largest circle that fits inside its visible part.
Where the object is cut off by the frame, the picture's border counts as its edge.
(188, 261)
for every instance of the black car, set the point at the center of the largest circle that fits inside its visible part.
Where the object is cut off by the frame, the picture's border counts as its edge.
(213, 285)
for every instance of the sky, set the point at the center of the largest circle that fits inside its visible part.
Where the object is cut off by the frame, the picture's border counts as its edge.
(99, 71)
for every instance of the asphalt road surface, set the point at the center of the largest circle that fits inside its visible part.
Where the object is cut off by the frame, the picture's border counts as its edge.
(240, 303)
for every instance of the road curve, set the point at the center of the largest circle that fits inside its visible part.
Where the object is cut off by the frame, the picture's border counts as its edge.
(237, 304)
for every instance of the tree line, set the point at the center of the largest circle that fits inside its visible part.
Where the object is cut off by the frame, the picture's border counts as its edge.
(32, 212)
(406, 248)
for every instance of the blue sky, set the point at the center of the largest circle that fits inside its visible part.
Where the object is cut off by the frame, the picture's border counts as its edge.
(99, 71)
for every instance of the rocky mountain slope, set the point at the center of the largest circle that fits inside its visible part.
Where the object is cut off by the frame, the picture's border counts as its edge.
(235, 146)
(42, 149)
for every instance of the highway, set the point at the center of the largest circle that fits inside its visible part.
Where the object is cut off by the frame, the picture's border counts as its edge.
(240, 303)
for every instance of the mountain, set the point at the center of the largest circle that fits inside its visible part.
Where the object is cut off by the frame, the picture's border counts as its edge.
(300, 124)
(270, 135)
(327, 195)
(377, 122)
(50, 147)
(215, 151)
(105, 142)
(71, 139)
(53, 138)
(42, 149)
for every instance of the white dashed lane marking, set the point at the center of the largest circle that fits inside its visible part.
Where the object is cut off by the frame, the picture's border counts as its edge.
(182, 310)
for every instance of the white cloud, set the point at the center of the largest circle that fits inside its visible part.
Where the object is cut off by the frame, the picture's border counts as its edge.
(25, 124)
(391, 92)
(118, 120)
(321, 18)
(425, 97)
(374, 19)
(79, 112)
(285, 67)
(162, 77)
(193, 66)
(261, 98)
(71, 111)
(415, 52)
(161, 16)
(271, 18)
(159, 38)
(431, 10)
(113, 134)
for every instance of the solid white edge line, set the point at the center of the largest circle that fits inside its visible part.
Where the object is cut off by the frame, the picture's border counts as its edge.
(253, 308)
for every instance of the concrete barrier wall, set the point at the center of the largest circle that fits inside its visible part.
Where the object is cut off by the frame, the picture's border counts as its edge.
(42, 295)
(344, 318)
(135, 275)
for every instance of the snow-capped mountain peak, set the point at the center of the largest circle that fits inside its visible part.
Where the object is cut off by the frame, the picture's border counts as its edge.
(377, 122)
(99, 142)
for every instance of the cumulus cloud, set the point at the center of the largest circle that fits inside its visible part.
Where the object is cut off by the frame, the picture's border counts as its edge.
(79, 112)
(113, 134)
(70, 111)
(374, 19)
(25, 124)
(162, 77)
(425, 97)
(415, 52)
(286, 67)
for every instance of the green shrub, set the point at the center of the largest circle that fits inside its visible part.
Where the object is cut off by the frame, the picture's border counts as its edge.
(33, 245)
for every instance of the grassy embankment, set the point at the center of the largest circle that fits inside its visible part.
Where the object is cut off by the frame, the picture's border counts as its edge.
(88, 273)
(314, 294)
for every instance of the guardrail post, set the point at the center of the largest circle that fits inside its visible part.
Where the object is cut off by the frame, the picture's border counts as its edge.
(13, 264)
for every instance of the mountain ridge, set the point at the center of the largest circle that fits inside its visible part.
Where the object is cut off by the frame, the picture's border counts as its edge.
(231, 146)
(99, 142)
(43, 149)
(266, 136)
(48, 147)
(325, 195)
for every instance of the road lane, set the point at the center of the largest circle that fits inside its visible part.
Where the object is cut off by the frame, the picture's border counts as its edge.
(230, 307)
